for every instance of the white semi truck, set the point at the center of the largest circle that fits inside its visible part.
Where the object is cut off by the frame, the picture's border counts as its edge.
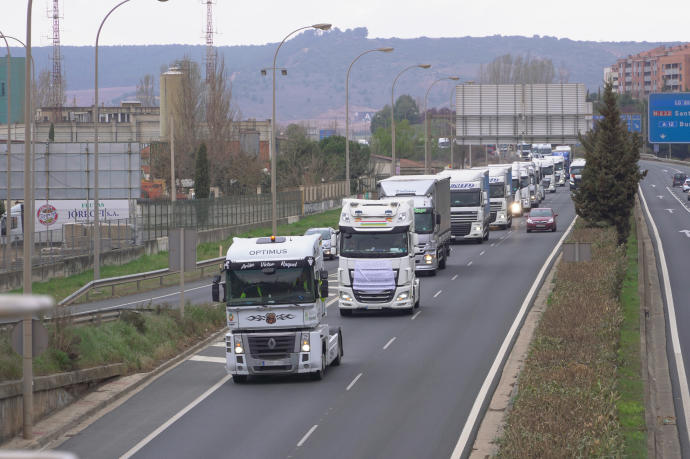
(548, 173)
(522, 202)
(535, 190)
(12, 228)
(377, 256)
(500, 195)
(559, 169)
(275, 292)
(431, 197)
(470, 207)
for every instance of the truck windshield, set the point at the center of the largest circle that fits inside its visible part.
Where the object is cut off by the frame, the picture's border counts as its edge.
(325, 234)
(269, 286)
(423, 221)
(559, 166)
(577, 170)
(516, 184)
(497, 190)
(465, 198)
(548, 170)
(524, 181)
(373, 245)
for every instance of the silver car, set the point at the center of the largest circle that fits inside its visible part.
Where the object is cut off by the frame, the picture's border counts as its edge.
(329, 241)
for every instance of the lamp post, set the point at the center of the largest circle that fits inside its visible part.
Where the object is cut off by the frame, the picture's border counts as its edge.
(274, 217)
(347, 111)
(426, 123)
(9, 150)
(421, 66)
(96, 217)
(452, 125)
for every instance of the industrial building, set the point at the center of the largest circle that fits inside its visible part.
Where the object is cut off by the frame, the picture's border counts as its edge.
(17, 85)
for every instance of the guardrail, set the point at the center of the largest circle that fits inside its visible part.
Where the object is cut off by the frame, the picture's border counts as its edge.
(112, 282)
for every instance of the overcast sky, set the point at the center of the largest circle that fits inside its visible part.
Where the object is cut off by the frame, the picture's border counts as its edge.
(243, 22)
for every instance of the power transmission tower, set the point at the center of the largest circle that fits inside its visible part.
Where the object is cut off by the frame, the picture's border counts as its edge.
(210, 49)
(56, 93)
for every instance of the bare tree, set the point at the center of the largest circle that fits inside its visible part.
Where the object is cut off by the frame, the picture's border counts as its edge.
(519, 70)
(188, 109)
(146, 91)
(41, 89)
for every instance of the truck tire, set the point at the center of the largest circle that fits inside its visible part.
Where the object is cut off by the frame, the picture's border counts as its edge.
(319, 374)
(442, 263)
(419, 297)
(239, 379)
(336, 361)
(345, 312)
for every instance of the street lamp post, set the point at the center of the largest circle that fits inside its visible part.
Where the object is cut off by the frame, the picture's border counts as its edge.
(274, 210)
(421, 66)
(96, 216)
(9, 150)
(452, 125)
(426, 123)
(347, 111)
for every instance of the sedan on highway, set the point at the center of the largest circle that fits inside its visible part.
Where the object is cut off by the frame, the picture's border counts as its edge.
(541, 219)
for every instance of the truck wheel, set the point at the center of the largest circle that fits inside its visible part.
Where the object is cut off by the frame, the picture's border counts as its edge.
(345, 312)
(318, 375)
(479, 240)
(336, 361)
(239, 379)
(419, 297)
(486, 237)
(442, 263)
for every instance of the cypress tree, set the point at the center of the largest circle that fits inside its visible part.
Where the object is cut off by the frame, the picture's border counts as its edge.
(202, 184)
(610, 177)
(51, 133)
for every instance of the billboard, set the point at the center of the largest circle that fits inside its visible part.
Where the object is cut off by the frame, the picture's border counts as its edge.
(514, 113)
(632, 120)
(54, 213)
(669, 117)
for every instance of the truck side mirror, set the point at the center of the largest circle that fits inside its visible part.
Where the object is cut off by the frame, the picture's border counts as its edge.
(215, 289)
(438, 219)
(323, 277)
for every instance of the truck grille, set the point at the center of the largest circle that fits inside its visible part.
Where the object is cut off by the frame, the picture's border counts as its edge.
(495, 206)
(384, 296)
(281, 347)
(466, 216)
(460, 229)
(272, 368)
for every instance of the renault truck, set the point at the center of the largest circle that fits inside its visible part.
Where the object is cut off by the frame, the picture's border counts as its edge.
(431, 197)
(377, 256)
(275, 291)
(470, 208)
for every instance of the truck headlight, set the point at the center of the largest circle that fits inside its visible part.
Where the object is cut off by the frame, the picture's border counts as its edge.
(345, 297)
(533, 197)
(403, 296)
(305, 342)
(238, 345)
(428, 259)
(476, 228)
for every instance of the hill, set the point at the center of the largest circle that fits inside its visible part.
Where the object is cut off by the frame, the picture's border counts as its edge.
(317, 63)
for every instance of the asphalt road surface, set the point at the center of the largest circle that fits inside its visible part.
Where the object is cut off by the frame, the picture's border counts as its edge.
(670, 212)
(404, 390)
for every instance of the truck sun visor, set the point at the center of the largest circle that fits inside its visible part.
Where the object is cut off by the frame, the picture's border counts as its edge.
(373, 275)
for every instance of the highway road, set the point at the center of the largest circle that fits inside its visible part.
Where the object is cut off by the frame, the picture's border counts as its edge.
(670, 213)
(405, 388)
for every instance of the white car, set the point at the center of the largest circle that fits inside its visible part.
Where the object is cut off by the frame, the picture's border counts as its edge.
(329, 241)
(686, 185)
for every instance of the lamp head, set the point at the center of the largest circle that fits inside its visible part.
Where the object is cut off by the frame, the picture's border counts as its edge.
(283, 72)
(322, 26)
(385, 50)
(263, 72)
(424, 66)
(454, 78)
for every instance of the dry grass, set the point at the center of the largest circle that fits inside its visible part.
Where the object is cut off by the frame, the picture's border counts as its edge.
(566, 401)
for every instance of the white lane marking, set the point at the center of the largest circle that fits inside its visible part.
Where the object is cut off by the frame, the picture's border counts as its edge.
(493, 244)
(678, 199)
(415, 315)
(653, 185)
(203, 358)
(470, 263)
(437, 293)
(673, 326)
(687, 232)
(454, 277)
(482, 253)
(332, 301)
(354, 381)
(670, 211)
(306, 435)
(660, 197)
(390, 341)
(218, 344)
(665, 170)
(504, 349)
(676, 170)
(146, 440)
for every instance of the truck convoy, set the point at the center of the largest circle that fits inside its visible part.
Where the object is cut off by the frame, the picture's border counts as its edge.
(431, 197)
(500, 194)
(470, 208)
(275, 292)
(377, 252)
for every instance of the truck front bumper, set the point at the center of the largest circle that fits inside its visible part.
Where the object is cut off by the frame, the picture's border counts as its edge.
(426, 261)
(402, 298)
(501, 218)
(252, 363)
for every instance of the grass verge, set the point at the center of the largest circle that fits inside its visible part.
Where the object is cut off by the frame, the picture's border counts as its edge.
(140, 340)
(62, 287)
(630, 404)
(567, 403)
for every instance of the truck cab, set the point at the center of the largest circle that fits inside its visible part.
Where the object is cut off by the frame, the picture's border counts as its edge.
(500, 194)
(470, 207)
(377, 256)
(548, 173)
(576, 168)
(559, 170)
(275, 291)
(12, 229)
(431, 197)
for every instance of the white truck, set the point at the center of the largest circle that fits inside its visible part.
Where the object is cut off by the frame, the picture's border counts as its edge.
(548, 173)
(275, 292)
(12, 229)
(521, 199)
(535, 189)
(559, 169)
(470, 208)
(377, 252)
(500, 195)
(431, 197)
(576, 168)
